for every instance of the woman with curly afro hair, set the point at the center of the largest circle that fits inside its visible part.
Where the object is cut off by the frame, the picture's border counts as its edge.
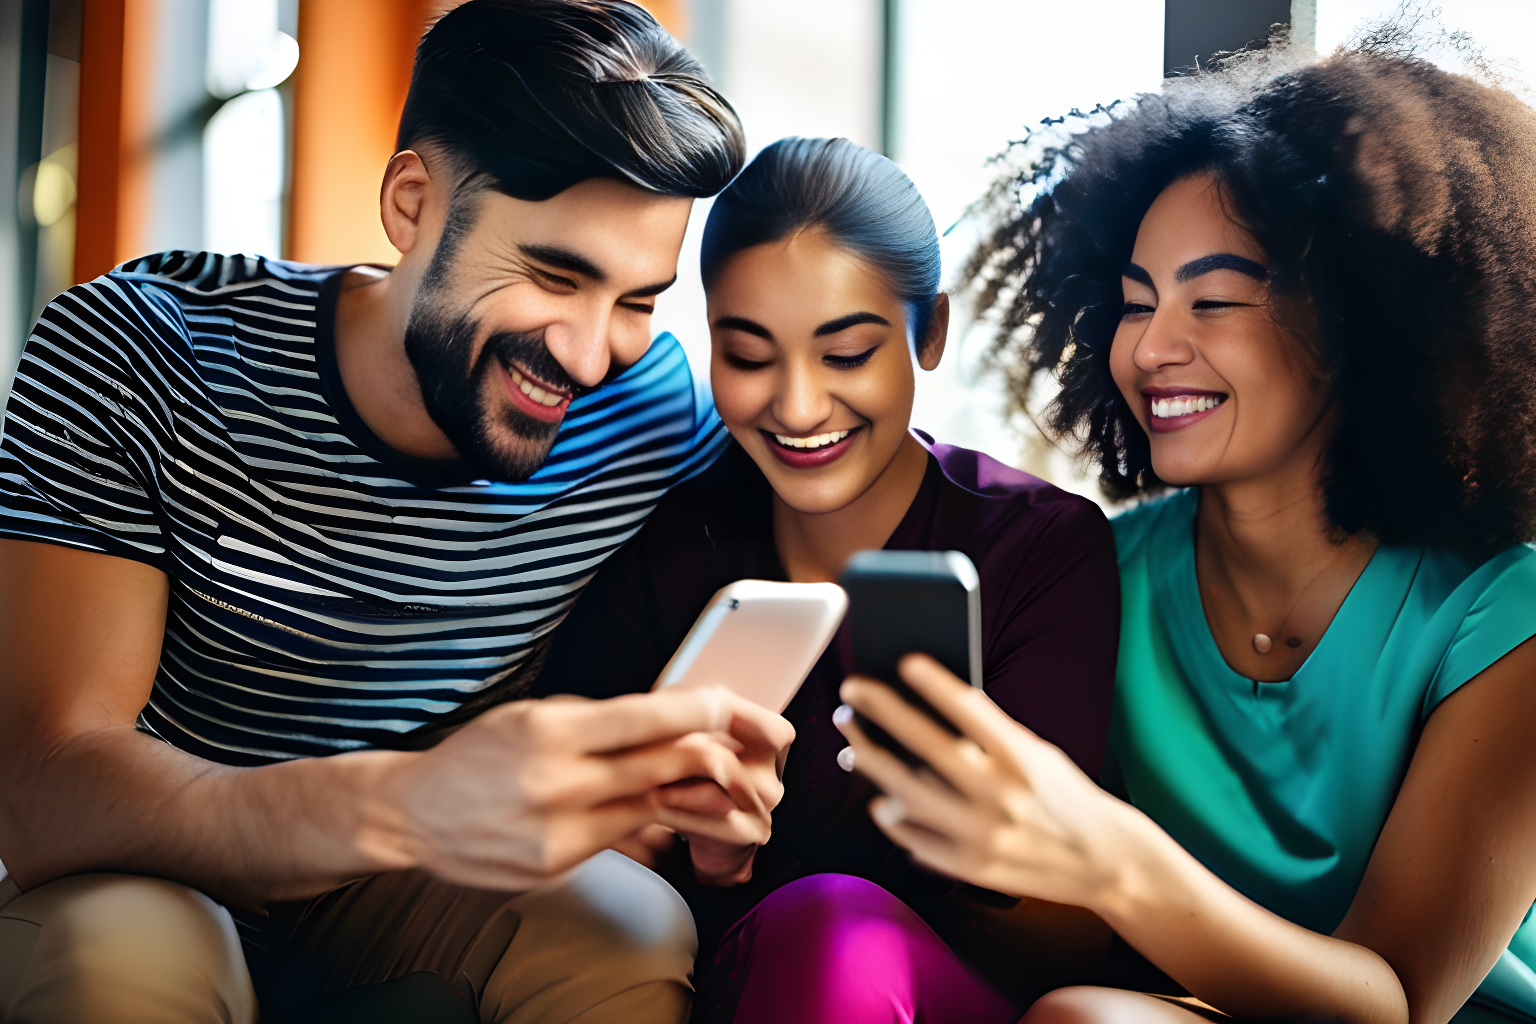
(1306, 300)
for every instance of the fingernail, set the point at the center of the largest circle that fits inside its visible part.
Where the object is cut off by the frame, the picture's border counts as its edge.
(845, 759)
(843, 715)
(889, 811)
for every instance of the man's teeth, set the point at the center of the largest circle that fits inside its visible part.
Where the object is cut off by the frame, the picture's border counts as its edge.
(533, 391)
(815, 441)
(1167, 408)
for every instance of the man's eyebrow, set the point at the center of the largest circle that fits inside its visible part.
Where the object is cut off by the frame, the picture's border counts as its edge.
(842, 323)
(565, 259)
(1138, 275)
(651, 289)
(741, 323)
(1221, 261)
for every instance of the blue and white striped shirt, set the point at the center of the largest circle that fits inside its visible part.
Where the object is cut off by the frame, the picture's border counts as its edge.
(184, 411)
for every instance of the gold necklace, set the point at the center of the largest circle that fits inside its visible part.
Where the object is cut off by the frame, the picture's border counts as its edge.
(1262, 642)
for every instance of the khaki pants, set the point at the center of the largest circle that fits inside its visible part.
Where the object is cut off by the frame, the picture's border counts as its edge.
(609, 942)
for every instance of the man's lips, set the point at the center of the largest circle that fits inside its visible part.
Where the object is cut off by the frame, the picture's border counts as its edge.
(532, 396)
(816, 450)
(1174, 408)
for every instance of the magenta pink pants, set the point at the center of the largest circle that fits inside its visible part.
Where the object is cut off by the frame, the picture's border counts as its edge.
(834, 949)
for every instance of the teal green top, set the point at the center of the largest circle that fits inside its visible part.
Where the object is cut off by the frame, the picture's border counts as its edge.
(1282, 788)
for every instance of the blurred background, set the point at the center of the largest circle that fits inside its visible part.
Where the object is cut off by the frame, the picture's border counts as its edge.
(263, 126)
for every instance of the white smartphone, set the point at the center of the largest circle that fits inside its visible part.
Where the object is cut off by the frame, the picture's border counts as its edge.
(758, 638)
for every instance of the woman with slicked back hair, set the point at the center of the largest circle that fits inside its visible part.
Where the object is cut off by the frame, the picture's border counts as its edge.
(1305, 297)
(821, 266)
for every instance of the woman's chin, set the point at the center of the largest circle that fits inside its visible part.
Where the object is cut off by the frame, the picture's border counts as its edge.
(810, 492)
(812, 499)
(1185, 477)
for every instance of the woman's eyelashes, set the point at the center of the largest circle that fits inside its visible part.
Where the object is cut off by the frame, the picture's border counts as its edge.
(741, 362)
(843, 362)
(1131, 309)
(1218, 304)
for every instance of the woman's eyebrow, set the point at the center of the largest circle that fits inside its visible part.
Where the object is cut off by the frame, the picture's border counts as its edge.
(842, 323)
(1138, 275)
(741, 323)
(1221, 261)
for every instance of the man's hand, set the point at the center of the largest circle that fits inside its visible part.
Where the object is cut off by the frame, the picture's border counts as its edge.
(533, 788)
(724, 828)
(524, 791)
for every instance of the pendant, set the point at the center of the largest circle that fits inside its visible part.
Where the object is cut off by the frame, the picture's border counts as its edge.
(1261, 643)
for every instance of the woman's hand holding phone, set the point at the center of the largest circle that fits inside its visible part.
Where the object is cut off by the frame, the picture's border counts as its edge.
(995, 806)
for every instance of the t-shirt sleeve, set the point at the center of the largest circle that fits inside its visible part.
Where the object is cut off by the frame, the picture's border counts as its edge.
(709, 435)
(75, 457)
(1499, 602)
(1051, 661)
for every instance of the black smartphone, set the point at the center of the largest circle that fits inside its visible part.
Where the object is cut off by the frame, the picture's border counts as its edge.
(927, 601)
(905, 601)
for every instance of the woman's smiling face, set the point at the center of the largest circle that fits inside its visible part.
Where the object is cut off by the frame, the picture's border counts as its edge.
(811, 370)
(1223, 391)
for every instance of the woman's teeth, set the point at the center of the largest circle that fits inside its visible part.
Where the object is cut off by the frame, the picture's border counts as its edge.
(1167, 408)
(533, 391)
(815, 441)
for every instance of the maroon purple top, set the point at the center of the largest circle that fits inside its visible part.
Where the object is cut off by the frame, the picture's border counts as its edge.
(1050, 617)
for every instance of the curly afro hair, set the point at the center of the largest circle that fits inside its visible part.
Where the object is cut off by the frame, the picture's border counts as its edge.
(1395, 199)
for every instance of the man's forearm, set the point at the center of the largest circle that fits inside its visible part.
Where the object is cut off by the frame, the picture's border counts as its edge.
(117, 799)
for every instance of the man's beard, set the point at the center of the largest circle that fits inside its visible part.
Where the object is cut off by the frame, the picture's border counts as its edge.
(438, 343)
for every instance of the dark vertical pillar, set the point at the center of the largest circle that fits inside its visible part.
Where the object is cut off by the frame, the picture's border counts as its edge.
(29, 149)
(890, 79)
(1195, 30)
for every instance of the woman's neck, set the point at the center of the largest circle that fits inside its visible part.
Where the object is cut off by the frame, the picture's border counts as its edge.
(1271, 532)
(813, 546)
(1269, 561)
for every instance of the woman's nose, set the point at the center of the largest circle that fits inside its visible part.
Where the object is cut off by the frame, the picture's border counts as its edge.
(801, 403)
(1163, 344)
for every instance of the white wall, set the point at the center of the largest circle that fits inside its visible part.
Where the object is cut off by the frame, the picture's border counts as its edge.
(972, 75)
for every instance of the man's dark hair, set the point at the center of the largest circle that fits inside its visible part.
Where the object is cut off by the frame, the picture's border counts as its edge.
(534, 96)
(864, 202)
(1396, 206)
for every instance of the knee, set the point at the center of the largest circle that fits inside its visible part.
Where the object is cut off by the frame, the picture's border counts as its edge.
(614, 941)
(1088, 1004)
(824, 926)
(127, 948)
(638, 915)
(825, 904)
(1072, 1005)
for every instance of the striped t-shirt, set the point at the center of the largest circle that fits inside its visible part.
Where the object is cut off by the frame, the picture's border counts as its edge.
(326, 594)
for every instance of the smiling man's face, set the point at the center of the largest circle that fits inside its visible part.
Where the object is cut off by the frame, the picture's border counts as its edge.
(526, 305)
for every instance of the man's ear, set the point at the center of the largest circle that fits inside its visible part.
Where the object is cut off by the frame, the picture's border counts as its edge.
(402, 198)
(932, 348)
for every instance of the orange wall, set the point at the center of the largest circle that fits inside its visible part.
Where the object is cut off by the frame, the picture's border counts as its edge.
(116, 64)
(354, 69)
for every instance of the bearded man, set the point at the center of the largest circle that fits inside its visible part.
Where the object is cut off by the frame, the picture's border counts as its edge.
(281, 546)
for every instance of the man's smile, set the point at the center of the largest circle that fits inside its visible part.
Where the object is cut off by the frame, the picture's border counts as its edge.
(540, 400)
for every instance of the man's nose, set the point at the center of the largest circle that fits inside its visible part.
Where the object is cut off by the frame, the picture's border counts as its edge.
(583, 346)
